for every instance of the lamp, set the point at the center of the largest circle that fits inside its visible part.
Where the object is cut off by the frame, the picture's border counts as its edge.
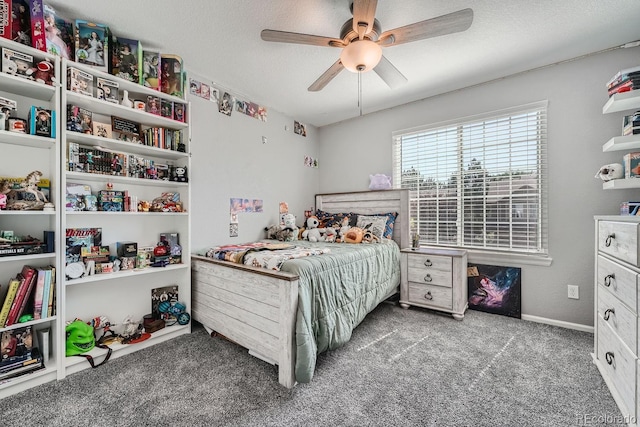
(361, 55)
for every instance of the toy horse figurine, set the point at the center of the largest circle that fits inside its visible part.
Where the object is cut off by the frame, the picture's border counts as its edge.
(30, 185)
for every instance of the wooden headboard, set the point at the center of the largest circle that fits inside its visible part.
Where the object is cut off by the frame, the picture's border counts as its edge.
(372, 202)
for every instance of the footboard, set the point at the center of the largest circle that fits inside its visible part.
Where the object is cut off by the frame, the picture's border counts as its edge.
(252, 306)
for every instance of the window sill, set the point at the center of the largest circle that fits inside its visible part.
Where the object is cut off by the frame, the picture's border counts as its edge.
(475, 256)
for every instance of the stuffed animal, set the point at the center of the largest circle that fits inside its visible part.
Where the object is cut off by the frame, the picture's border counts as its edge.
(344, 227)
(330, 235)
(312, 232)
(379, 182)
(368, 236)
(44, 73)
(289, 224)
(609, 172)
(354, 235)
(286, 232)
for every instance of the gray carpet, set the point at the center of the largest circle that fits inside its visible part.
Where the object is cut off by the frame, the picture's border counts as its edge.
(402, 367)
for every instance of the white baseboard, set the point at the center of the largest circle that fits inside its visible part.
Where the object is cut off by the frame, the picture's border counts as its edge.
(562, 324)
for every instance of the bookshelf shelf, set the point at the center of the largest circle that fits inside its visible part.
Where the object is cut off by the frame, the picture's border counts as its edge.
(122, 274)
(26, 259)
(621, 143)
(22, 139)
(30, 323)
(96, 177)
(75, 364)
(129, 147)
(622, 102)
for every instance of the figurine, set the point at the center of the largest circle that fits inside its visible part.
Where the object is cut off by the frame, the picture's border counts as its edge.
(126, 102)
(44, 73)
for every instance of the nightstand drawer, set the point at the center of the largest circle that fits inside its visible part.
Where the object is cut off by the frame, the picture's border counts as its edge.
(436, 296)
(429, 262)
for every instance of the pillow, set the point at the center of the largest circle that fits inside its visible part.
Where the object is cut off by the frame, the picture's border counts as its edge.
(378, 224)
(390, 220)
(333, 220)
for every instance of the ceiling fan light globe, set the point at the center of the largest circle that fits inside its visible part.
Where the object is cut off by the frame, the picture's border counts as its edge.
(361, 56)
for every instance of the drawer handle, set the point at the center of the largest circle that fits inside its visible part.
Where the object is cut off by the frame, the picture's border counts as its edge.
(428, 263)
(428, 296)
(428, 278)
(609, 356)
(607, 279)
(610, 237)
(608, 312)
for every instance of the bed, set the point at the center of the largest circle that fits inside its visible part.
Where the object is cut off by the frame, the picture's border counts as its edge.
(278, 315)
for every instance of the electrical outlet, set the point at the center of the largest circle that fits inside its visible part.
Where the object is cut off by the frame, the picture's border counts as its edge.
(573, 292)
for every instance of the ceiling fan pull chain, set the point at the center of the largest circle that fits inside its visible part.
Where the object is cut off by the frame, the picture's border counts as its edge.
(360, 91)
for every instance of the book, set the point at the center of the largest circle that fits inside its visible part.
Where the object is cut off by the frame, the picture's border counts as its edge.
(45, 293)
(28, 277)
(52, 288)
(12, 290)
(38, 293)
(77, 238)
(27, 301)
(15, 343)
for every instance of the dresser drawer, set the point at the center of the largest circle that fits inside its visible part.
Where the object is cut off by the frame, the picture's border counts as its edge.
(619, 239)
(436, 296)
(619, 317)
(618, 363)
(619, 280)
(429, 269)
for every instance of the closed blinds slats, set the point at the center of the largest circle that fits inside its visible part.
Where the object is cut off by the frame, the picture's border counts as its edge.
(478, 183)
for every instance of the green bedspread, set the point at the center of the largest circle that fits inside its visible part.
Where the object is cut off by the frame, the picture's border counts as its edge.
(336, 291)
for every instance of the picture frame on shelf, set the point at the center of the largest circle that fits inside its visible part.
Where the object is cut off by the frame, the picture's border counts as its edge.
(102, 130)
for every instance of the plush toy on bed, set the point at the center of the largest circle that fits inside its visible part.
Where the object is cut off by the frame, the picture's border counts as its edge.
(312, 233)
(286, 232)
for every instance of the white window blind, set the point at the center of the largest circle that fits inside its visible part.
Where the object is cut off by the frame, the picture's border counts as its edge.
(478, 183)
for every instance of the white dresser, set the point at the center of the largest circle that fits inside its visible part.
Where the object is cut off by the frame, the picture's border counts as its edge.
(434, 278)
(617, 275)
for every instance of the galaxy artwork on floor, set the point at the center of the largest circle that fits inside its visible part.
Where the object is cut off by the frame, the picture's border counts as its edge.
(495, 289)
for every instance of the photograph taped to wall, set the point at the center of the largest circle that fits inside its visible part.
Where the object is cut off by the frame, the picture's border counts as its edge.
(233, 229)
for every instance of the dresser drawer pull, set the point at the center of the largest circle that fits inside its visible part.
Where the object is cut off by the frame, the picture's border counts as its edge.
(607, 279)
(609, 356)
(428, 263)
(428, 296)
(608, 312)
(428, 278)
(610, 237)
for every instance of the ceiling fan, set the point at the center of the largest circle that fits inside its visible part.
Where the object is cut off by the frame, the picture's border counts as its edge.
(362, 40)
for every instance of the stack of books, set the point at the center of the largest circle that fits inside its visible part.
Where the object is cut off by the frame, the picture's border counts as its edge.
(624, 81)
(18, 355)
(31, 293)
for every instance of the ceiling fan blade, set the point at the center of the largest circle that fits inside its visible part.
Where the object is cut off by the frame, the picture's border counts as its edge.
(364, 13)
(389, 73)
(326, 77)
(299, 38)
(445, 24)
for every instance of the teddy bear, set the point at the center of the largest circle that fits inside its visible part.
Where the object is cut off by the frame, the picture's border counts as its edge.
(44, 73)
(312, 233)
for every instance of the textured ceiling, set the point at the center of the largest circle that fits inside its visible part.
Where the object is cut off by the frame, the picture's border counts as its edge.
(220, 40)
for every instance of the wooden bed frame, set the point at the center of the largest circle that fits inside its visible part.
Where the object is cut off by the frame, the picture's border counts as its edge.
(255, 307)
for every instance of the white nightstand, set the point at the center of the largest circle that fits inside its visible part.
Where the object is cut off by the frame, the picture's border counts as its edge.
(434, 278)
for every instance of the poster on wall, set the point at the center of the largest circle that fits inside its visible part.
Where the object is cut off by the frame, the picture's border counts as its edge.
(238, 204)
(299, 128)
(495, 289)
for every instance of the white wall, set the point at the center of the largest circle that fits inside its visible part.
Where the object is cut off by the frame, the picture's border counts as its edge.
(576, 131)
(230, 160)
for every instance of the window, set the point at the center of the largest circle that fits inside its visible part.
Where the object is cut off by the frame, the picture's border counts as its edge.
(478, 183)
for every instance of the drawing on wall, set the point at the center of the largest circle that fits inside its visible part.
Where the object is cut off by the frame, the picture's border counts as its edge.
(194, 87)
(495, 289)
(299, 128)
(204, 91)
(226, 104)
